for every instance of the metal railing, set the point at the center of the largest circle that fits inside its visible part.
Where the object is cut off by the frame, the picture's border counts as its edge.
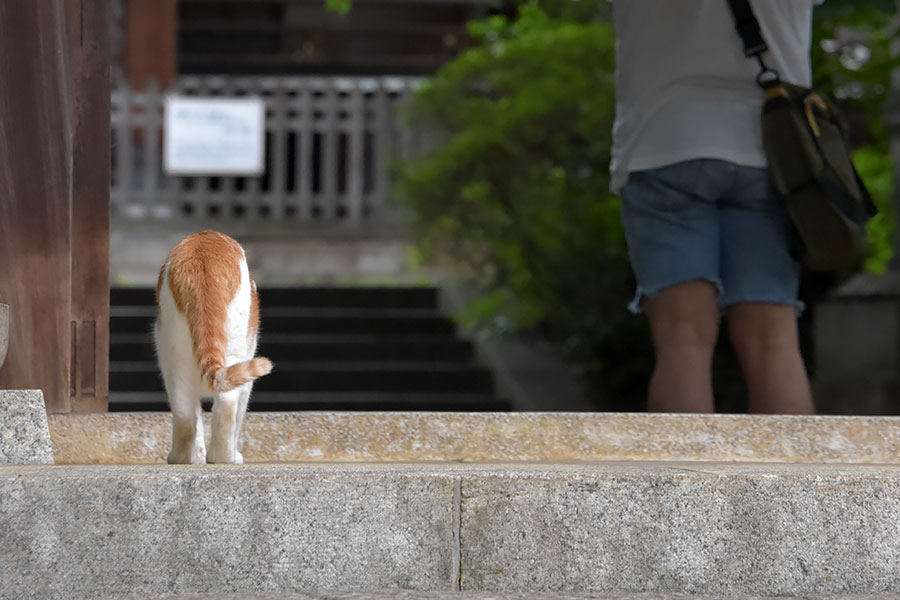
(328, 144)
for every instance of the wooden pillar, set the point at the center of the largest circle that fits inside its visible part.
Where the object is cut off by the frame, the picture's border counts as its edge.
(151, 42)
(35, 159)
(54, 199)
(89, 59)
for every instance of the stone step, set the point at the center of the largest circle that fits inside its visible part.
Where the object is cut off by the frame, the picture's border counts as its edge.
(321, 296)
(418, 595)
(350, 321)
(322, 348)
(720, 530)
(434, 436)
(377, 377)
(333, 401)
(354, 343)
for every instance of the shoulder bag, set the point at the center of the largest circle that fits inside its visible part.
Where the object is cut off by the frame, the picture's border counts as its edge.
(809, 164)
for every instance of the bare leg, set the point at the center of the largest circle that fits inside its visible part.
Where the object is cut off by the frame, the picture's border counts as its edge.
(224, 424)
(684, 321)
(187, 428)
(764, 337)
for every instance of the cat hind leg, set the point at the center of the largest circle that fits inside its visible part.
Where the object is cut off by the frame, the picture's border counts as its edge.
(188, 446)
(224, 428)
(243, 399)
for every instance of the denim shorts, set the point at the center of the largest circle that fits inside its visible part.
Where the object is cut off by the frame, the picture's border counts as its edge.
(711, 220)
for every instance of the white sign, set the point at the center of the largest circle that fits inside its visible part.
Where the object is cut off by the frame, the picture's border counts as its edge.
(214, 136)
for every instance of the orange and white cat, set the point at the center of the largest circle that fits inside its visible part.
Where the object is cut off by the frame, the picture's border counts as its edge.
(206, 335)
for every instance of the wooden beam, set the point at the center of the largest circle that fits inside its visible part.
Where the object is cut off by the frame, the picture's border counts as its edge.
(35, 155)
(89, 56)
(151, 42)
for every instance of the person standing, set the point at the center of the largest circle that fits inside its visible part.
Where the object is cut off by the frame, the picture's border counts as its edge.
(706, 236)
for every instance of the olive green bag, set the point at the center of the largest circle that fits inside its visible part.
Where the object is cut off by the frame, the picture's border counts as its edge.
(805, 139)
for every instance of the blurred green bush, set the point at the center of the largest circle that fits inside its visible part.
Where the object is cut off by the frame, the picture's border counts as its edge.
(516, 189)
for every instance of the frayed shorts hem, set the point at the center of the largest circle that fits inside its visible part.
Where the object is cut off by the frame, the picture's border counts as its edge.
(635, 305)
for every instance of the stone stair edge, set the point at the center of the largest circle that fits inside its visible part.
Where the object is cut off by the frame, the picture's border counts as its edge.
(460, 471)
(493, 436)
(440, 595)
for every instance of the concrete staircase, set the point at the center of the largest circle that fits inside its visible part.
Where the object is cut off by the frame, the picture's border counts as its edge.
(347, 505)
(612, 528)
(340, 348)
(342, 505)
(461, 505)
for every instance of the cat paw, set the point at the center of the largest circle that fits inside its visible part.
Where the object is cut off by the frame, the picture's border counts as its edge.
(224, 459)
(178, 458)
(199, 458)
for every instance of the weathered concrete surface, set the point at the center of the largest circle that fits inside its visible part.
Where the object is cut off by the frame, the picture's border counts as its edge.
(604, 528)
(24, 434)
(348, 436)
(696, 529)
(134, 532)
(408, 595)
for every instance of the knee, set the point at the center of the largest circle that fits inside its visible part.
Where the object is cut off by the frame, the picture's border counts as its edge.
(684, 318)
(766, 350)
(686, 338)
(764, 339)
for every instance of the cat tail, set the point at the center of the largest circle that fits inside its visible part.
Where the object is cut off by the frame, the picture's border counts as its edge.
(209, 340)
(224, 379)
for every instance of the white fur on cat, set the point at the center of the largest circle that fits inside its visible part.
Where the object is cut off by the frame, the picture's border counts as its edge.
(186, 386)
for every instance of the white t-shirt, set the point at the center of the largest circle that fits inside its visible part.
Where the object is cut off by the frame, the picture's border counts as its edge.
(684, 88)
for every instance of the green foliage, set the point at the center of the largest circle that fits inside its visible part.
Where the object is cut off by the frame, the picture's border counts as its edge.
(339, 6)
(517, 188)
(852, 60)
(877, 169)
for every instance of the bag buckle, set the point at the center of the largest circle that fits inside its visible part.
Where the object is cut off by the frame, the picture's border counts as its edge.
(811, 102)
(767, 76)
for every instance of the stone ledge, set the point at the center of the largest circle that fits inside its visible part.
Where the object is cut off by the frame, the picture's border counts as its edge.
(408, 595)
(133, 532)
(689, 529)
(371, 436)
(24, 434)
(605, 528)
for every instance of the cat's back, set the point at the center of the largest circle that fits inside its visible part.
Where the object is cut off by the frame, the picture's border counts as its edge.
(206, 298)
(208, 263)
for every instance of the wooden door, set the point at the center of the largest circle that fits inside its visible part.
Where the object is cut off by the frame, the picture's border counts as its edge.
(54, 199)
(89, 58)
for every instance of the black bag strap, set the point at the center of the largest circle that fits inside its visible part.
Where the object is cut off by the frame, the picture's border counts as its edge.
(747, 27)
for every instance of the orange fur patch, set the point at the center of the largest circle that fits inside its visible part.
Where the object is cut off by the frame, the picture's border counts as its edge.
(204, 276)
(241, 373)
